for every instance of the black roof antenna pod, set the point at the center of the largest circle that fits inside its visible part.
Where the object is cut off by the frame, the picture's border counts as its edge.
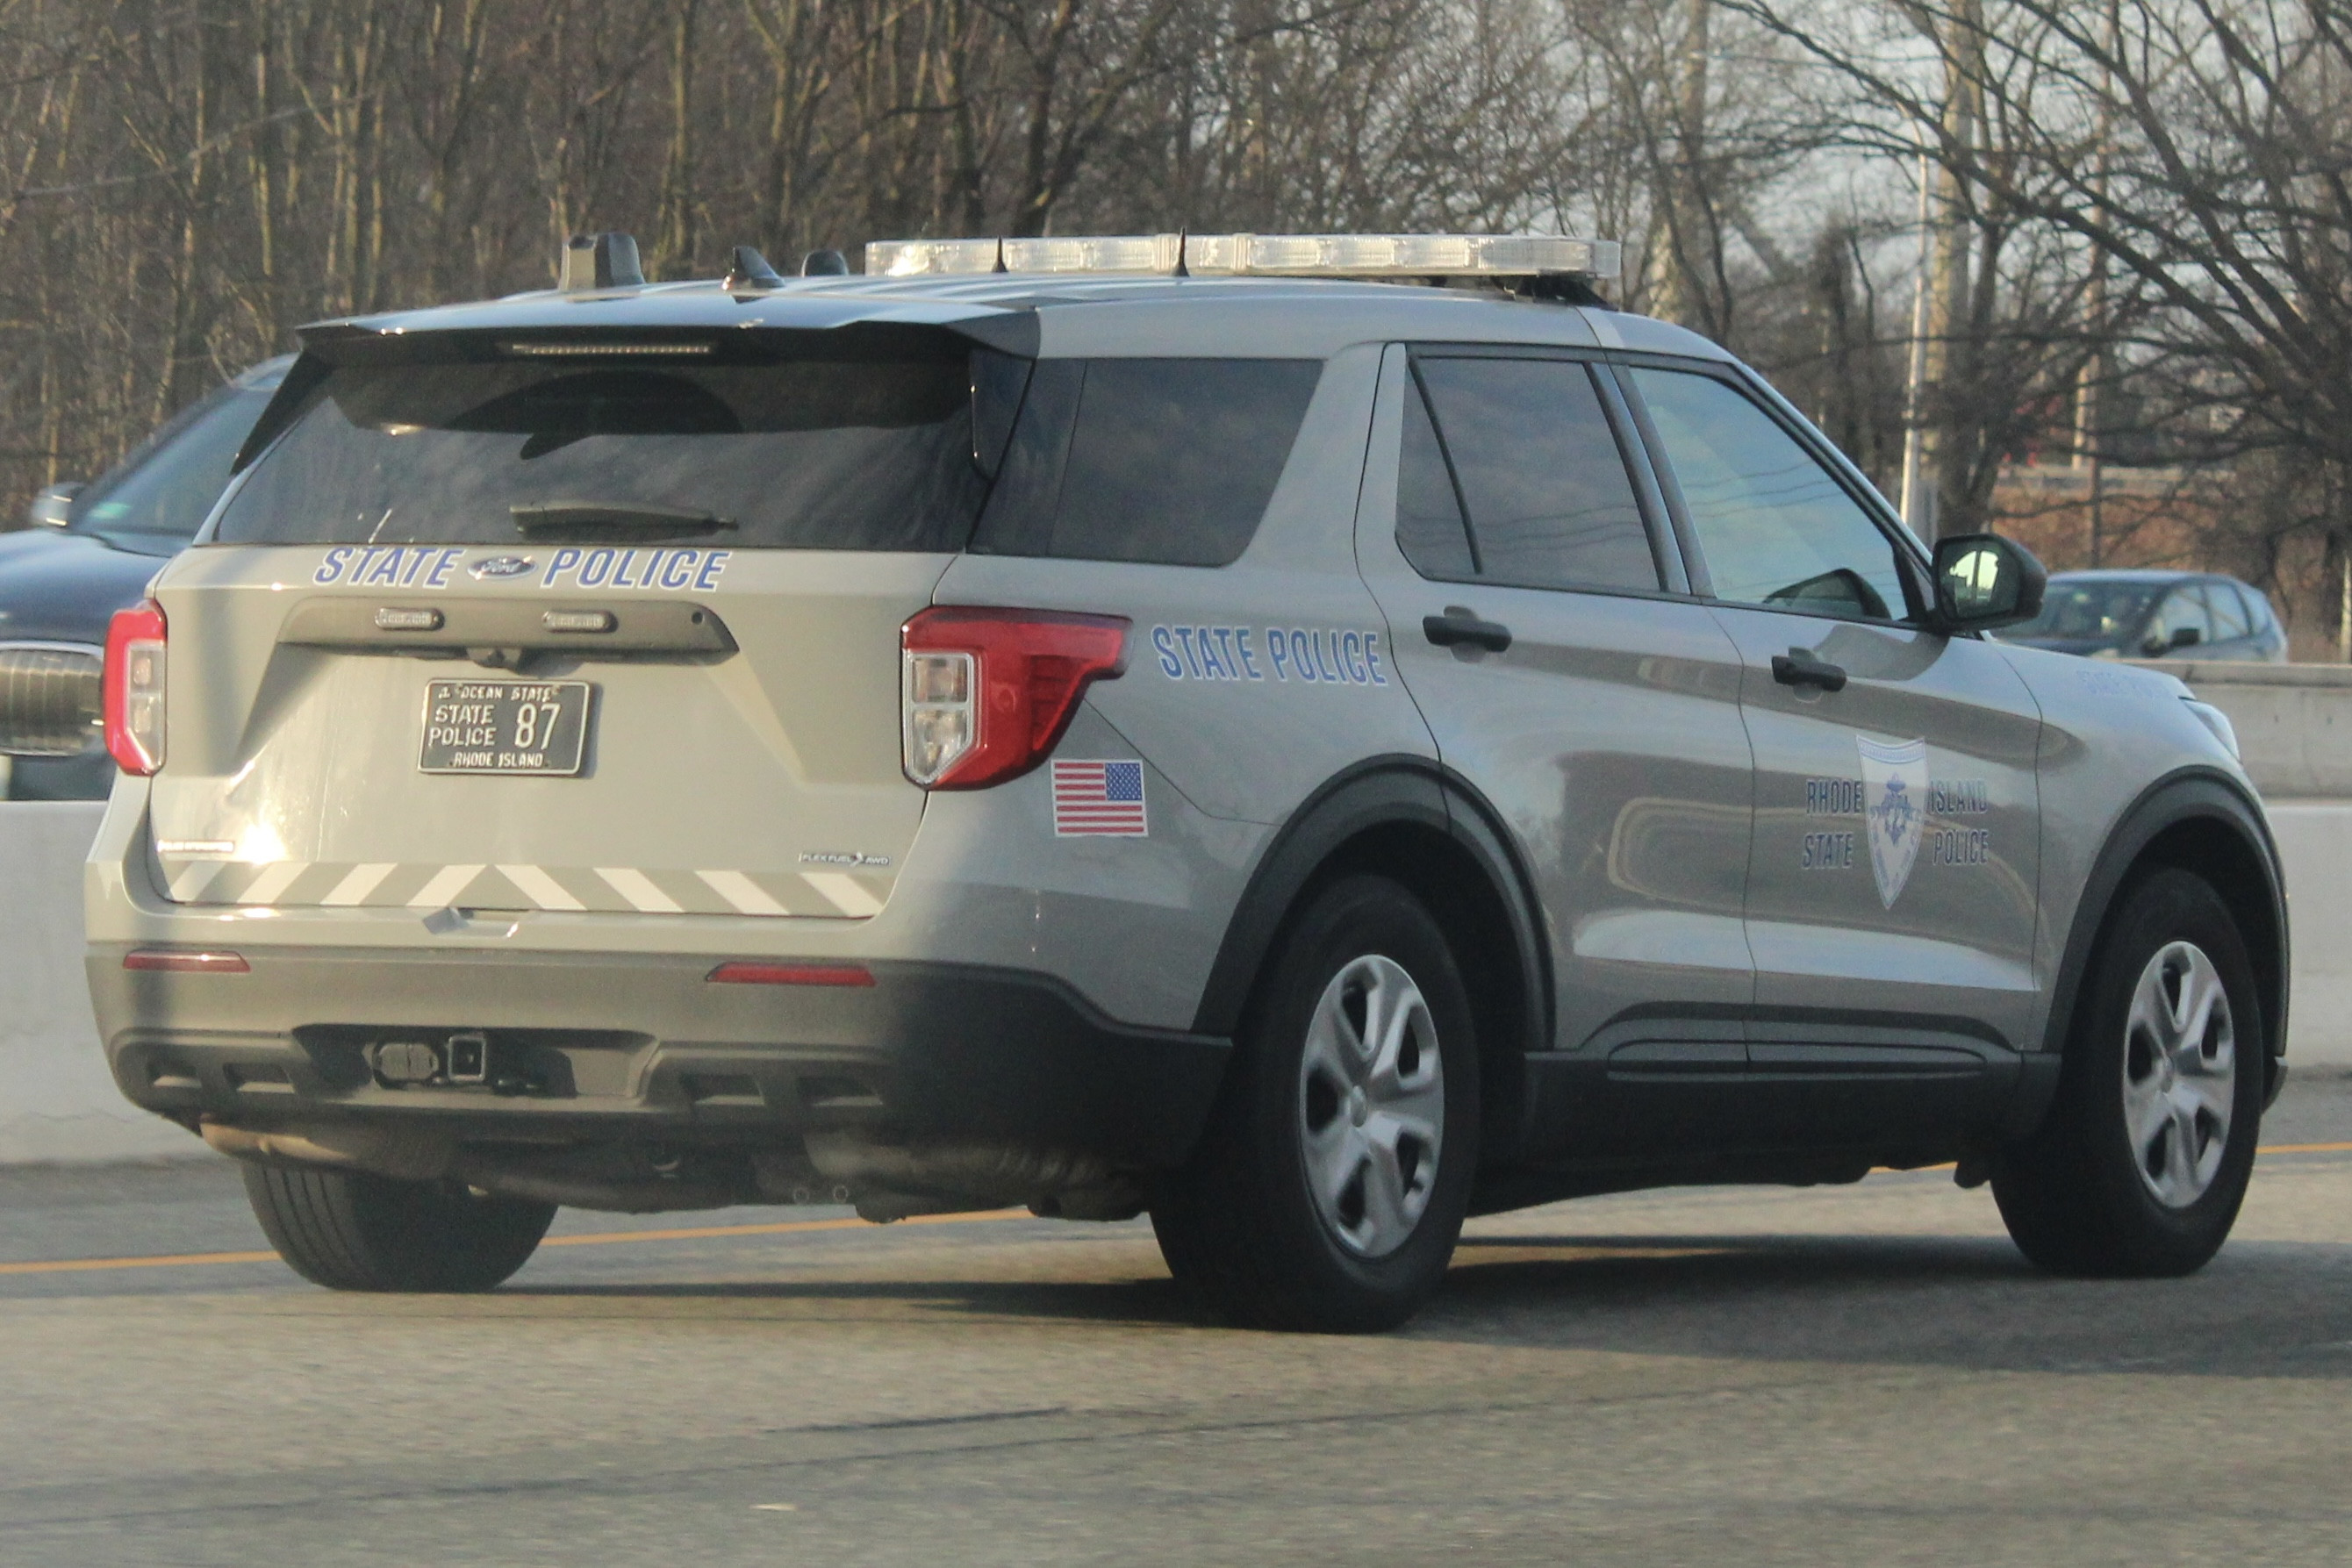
(824, 263)
(607, 260)
(748, 272)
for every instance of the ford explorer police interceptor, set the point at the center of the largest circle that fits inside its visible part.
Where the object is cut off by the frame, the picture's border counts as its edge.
(1168, 725)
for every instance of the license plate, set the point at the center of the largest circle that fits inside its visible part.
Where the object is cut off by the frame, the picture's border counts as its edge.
(504, 726)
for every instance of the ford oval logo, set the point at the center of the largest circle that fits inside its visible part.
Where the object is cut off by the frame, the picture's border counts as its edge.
(500, 566)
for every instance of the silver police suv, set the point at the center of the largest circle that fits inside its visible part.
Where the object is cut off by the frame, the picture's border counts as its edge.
(1145, 724)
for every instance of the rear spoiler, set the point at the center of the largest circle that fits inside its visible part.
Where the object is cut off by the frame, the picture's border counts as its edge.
(327, 345)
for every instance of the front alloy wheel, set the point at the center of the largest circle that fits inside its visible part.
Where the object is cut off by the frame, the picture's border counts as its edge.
(2140, 1163)
(2180, 1073)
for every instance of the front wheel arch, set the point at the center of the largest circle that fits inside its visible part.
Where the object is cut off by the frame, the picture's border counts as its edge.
(2200, 822)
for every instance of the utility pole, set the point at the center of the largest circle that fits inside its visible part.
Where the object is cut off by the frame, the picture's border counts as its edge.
(1961, 45)
(2088, 458)
(1677, 293)
(1918, 498)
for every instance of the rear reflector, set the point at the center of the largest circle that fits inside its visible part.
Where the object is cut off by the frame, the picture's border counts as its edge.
(180, 961)
(792, 974)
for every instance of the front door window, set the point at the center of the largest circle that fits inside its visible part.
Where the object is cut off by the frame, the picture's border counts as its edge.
(1776, 529)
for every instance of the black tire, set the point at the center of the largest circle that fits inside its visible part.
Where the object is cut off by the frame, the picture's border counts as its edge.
(2081, 1195)
(351, 1231)
(1240, 1225)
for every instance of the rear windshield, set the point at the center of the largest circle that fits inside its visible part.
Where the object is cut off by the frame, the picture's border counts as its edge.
(1169, 461)
(806, 454)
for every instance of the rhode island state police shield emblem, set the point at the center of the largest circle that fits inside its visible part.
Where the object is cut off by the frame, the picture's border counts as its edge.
(1895, 797)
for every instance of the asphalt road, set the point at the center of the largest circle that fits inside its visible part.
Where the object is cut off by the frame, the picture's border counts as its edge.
(1862, 1375)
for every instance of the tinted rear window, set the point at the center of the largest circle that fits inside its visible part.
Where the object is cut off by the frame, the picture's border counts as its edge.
(1550, 503)
(1169, 461)
(808, 455)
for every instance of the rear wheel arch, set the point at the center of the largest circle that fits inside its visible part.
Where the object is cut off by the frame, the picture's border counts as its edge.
(2205, 824)
(1408, 819)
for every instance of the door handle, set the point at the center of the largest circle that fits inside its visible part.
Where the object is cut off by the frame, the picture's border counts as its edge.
(1801, 667)
(1458, 626)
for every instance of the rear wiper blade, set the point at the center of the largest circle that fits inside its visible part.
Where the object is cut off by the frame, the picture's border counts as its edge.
(624, 520)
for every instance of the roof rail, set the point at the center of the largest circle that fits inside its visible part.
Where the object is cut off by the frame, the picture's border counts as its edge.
(1255, 255)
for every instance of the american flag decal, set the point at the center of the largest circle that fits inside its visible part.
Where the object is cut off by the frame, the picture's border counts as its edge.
(1099, 799)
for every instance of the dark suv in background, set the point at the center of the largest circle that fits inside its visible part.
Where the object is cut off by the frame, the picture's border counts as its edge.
(2154, 615)
(91, 552)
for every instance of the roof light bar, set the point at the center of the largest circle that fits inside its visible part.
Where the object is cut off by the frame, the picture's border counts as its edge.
(1260, 256)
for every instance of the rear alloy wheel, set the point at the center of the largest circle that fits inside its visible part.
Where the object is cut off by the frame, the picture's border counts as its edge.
(349, 1230)
(2144, 1159)
(1330, 1186)
(1371, 1106)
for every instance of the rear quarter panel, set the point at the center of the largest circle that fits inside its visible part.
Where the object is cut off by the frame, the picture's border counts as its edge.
(1241, 733)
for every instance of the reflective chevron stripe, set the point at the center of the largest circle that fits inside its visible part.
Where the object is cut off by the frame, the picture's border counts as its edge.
(611, 889)
(639, 890)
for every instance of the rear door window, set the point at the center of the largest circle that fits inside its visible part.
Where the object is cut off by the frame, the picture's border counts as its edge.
(1168, 461)
(1522, 447)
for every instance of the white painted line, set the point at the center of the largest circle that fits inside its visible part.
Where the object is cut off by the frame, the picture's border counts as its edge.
(639, 890)
(741, 891)
(275, 879)
(357, 884)
(539, 888)
(447, 885)
(845, 892)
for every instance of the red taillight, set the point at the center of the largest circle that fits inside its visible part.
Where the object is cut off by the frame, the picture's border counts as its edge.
(183, 961)
(987, 693)
(132, 689)
(743, 973)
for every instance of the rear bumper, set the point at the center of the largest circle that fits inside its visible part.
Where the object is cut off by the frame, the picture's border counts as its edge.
(625, 1048)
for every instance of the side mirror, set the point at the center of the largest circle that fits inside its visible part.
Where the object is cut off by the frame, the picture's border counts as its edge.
(1983, 580)
(2187, 637)
(52, 508)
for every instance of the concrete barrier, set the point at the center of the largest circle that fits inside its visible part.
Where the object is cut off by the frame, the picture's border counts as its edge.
(57, 1100)
(2293, 721)
(58, 1103)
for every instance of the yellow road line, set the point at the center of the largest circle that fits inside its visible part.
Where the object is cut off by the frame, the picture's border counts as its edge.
(588, 1239)
(183, 1260)
(788, 1227)
(707, 1232)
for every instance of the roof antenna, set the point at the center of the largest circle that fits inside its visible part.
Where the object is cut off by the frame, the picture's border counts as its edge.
(1000, 266)
(1183, 232)
(748, 271)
